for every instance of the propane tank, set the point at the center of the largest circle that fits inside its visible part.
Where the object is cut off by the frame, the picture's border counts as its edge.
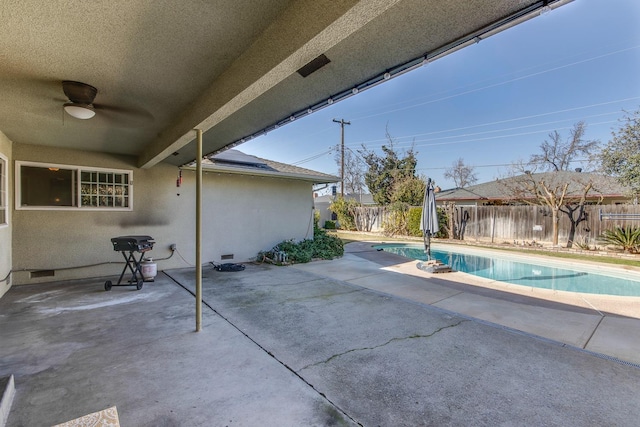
(149, 269)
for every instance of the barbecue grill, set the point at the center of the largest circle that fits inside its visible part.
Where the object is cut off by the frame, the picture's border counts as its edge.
(128, 245)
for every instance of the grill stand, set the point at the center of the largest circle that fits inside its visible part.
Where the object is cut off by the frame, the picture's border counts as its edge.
(134, 280)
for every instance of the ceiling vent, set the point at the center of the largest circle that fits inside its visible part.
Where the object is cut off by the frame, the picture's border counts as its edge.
(314, 65)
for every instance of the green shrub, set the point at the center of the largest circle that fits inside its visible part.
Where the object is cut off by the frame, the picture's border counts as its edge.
(344, 208)
(396, 223)
(327, 246)
(628, 239)
(405, 221)
(413, 222)
(330, 225)
(316, 219)
(323, 246)
(299, 252)
(443, 223)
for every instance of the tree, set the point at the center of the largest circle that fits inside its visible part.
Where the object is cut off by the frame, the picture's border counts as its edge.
(406, 194)
(353, 170)
(557, 190)
(621, 156)
(463, 175)
(386, 171)
(409, 190)
(558, 155)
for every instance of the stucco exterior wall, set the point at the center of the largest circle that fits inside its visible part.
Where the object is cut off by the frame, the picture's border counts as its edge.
(6, 230)
(325, 213)
(241, 216)
(246, 214)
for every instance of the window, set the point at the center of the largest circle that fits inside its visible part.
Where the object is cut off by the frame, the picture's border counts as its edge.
(42, 186)
(45, 186)
(4, 191)
(104, 189)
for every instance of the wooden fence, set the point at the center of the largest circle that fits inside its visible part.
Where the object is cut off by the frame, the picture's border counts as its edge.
(528, 223)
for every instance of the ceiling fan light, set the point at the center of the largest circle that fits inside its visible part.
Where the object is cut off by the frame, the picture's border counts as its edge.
(79, 111)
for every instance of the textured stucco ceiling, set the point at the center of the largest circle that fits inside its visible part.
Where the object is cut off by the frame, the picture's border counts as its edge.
(225, 66)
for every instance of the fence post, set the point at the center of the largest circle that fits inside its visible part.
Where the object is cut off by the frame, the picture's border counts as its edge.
(493, 223)
(475, 218)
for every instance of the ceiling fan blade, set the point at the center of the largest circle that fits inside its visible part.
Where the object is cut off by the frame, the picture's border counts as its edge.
(125, 115)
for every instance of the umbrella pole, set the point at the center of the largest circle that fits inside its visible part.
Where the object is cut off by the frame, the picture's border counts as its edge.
(424, 239)
(425, 228)
(423, 219)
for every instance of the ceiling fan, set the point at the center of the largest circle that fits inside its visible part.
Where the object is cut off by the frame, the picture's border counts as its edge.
(80, 104)
(81, 96)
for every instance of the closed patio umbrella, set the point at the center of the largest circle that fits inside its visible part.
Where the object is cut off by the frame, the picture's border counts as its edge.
(429, 220)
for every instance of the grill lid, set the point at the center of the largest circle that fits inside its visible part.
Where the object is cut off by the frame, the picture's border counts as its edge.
(132, 243)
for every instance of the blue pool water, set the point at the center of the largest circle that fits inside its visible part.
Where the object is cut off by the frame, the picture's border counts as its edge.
(521, 273)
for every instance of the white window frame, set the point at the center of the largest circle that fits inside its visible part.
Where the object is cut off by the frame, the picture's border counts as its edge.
(4, 190)
(77, 170)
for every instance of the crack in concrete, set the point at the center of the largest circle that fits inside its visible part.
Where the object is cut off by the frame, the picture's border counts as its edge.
(410, 337)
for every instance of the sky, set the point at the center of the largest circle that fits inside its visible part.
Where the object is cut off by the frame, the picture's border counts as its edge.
(493, 103)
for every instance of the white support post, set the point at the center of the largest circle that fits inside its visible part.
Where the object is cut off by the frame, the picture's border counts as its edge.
(199, 231)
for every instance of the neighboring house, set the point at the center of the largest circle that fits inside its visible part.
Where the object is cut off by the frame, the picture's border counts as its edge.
(500, 191)
(322, 204)
(249, 204)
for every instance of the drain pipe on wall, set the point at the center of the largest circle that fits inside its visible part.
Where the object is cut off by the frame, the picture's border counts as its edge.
(199, 231)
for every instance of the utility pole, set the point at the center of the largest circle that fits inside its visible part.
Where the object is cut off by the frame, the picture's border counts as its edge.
(342, 123)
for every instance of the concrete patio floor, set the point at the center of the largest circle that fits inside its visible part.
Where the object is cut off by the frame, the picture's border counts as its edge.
(607, 325)
(344, 342)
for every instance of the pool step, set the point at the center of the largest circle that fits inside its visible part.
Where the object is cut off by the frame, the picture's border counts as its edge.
(433, 266)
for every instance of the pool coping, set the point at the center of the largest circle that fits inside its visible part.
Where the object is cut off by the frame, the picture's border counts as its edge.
(628, 306)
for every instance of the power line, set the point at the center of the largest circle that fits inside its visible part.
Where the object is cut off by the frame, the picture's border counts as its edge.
(503, 136)
(533, 116)
(497, 84)
(361, 159)
(480, 166)
(498, 165)
(520, 71)
(432, 142)
(328, 151)
(313, 157)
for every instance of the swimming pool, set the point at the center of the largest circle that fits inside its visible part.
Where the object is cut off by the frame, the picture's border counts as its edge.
(505, 269)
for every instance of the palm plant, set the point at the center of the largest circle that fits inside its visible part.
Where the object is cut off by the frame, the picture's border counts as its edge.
(626, 238)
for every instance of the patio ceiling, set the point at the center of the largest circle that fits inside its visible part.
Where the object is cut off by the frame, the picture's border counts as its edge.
(228, 67)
